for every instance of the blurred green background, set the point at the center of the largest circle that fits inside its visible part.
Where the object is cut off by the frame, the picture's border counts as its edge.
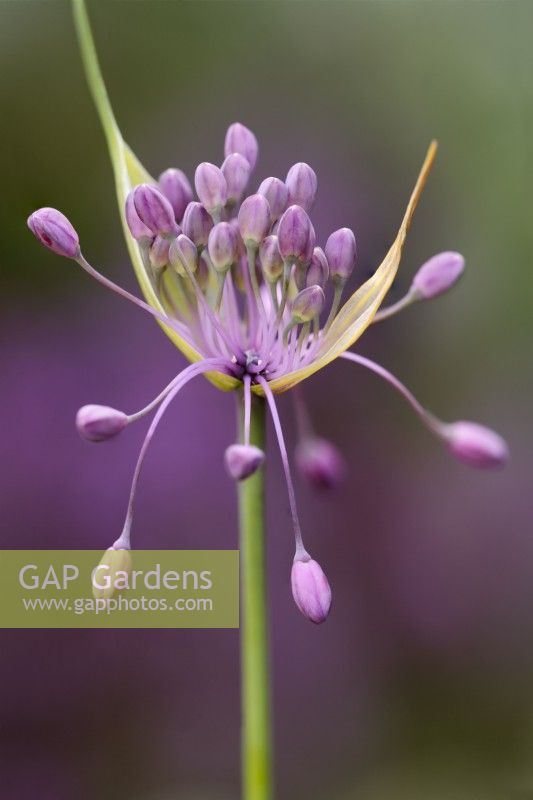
(419, 686)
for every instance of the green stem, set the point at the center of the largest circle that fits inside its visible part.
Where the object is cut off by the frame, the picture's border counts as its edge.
(256, 723)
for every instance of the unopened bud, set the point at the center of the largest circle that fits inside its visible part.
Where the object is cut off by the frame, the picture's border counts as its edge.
(112, 573)
(302, 184)
(277, 195)
(239, 139)
(293, 233)
(254, 219)
(320, 463)
(270, 259)
(203, 273)
(197, 223)
(154, 210)
(242, 460)
(210, 185)
(438, 274)
(183, 255)
(318, 271)
(176, 187)
(222, 246)
(476, 445)
(340, 253)
(311, 590)
(236, 171)
(55, 232)
(158, 253)
(308, 304)
(138, 229)
(98, 423)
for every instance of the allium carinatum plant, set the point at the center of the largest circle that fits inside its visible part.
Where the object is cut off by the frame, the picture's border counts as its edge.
(236, 278)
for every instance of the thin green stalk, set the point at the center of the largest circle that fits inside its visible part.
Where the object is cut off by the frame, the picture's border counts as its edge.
(256, 722)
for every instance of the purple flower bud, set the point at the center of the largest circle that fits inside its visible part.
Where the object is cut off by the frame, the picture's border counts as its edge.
(318, 271)
(476, 445)
(277, 195)
(311, 241)
(211, 186)
(138, 229)
(308, 304)
(222, 246)
(176, 187)
(311, 590)
(242, 460)
(302, 185)
(438, 274)
(197, 223)
(293, 233)
(340, 253)
(320, 463)
(203, 272)
(270, 259)
(240, 139)
(236, 171)
(115, 560)
(158, 252)
(154, 210)
(98, 423)
(254, 219)
(55, 232)
(183, 255)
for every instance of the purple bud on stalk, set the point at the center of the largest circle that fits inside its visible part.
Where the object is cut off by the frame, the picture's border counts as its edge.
(476, 445)
(236, 171)
(438, 274)
(293, 233)
(211, 186)
(311, 590)
(239, 139)
(254, 219)
(308, 304)
(302, 184)
(340, 253)
(54, 231)
(311, 241)
(320, 463)
(98, 423)
(183, 255)
(222, 246)
(158, 253)
(197, 223)
(176, 187)
(318, 271)
(242, 460)
(270, 259)
(138, 229)
(154, 210)
(277, 195)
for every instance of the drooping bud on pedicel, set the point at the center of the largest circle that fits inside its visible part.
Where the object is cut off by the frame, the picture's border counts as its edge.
(239, 139)
(158, 253)
(254, 219)
(98, 423)
(183, 255)
(112, 573)
(211, 187)
(311, 590)
(242, 460)
(340, 253)
(222, 246)
(320, 463)
(54, 231)
(438, 274)
(236, 171)
(154, 210)
(476, 445)
(318, 271)
(176, 187)
(308, 304)
(138, 229)
(293, 233)
(270, 259)
(197, 223)
(277, 195)
(302, 184)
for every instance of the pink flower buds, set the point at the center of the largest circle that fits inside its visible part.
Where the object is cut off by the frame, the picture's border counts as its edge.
(176, 187)
(438, 274)
(270, 259)
(293, 233)
(242, 460)
(308, 304)
(54, 231)
(340, 253)
(254, 219)
(318, 271)
(138, 229)
(302, 184)
(211, 186)
(183, 255)
(320, 463)
(240, 139)
(222, 246)
(236, 171)
(154, 210)
(158, 253)
(476, 445)
(98, 423)
(311, 590)
(277, 195)
(197, 223)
